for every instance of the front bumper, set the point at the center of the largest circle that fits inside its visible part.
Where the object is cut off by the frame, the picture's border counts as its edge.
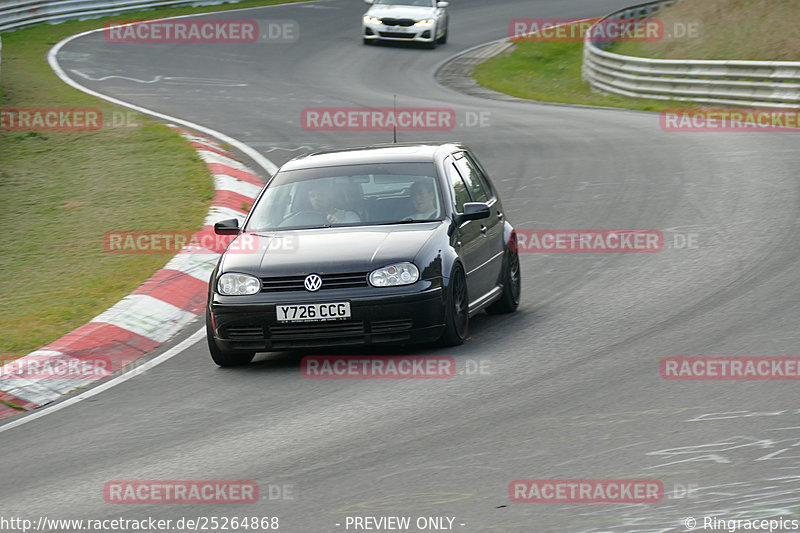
(397, 318)
(379, 32)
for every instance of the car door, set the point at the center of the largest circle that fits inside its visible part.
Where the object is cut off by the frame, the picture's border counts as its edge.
(491, 228)
(468, 240)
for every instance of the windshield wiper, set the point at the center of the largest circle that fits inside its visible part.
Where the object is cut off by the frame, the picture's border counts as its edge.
(406, 222)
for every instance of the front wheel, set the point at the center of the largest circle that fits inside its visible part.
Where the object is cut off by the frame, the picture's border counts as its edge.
(512, 287)
(456, 314)
(443, 38)
(225, 358)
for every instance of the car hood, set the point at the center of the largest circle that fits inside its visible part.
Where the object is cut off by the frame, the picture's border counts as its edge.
(402, 12)
(325, 250)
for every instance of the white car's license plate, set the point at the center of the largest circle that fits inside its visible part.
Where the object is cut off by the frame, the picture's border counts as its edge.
(398, 29)
(313, 312)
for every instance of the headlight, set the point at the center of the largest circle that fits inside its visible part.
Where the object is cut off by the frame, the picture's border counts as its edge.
(371, 20)
(238, 284)
(426, 22)
(394, 275)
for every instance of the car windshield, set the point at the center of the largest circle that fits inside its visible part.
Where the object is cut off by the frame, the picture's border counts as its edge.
(352, 195)
(425, 3)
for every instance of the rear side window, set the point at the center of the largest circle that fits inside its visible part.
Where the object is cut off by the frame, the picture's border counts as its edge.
(482, 175)
(472, 177)
(459, 187)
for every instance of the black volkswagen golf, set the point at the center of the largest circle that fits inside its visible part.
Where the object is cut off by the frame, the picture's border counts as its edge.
(383, 244)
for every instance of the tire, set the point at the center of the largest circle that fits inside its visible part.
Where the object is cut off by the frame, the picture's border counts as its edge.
(512, 287)
(225, 358)
(456, 313)
(443, 38)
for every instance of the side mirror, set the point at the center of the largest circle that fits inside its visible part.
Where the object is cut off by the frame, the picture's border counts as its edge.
(442, 4)
(473, 211)
(369, 1)
(227, 227)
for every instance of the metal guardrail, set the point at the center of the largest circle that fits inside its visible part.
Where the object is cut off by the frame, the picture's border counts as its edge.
(744, 83)
(15, 14)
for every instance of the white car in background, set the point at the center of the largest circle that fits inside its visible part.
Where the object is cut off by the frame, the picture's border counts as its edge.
(423, 21)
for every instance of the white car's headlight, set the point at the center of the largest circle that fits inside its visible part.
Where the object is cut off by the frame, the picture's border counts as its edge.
(371, 20)
(426, 22)
(238, 284)
(394, 275)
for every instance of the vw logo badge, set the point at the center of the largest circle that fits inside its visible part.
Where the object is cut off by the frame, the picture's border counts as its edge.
(313, 282)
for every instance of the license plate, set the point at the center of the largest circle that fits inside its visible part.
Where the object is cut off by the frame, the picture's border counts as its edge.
(313, 312)
(398, 29)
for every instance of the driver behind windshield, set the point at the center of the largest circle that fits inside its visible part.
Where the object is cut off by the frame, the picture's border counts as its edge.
(321, 198)
(423, 198)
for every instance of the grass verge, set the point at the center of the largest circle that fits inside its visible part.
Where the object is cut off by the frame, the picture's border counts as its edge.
(60, 192)
(551, 72)
(756, 30)
(766, 30)
(12, 405)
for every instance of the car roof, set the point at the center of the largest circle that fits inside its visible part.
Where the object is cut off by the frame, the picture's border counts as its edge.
(379, 153)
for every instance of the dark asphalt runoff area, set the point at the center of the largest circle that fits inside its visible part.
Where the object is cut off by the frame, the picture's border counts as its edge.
(570, 386)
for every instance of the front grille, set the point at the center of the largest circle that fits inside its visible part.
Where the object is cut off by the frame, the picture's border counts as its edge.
(329, 281)
(245, 333)
(391, 326)
(396, 35)
(287, 336)
(311, 330)
(397, 22)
